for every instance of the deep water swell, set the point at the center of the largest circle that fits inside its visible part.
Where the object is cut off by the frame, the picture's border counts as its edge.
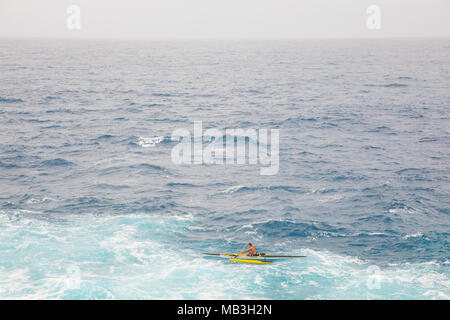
(87, 182)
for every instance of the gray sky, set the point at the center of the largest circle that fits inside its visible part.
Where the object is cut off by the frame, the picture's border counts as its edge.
(224, 18)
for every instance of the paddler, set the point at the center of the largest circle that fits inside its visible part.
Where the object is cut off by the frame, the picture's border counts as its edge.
(251, 250)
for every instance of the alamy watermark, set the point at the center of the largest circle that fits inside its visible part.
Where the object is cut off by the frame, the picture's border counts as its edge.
(73, 21)
(231, 146)
(73, 277)
(374, 278)
(374, 20)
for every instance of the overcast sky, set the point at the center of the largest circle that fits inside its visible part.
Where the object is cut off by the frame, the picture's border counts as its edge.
(224, 18)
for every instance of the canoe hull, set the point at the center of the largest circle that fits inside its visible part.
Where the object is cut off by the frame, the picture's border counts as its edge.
(243, 258)
(250, 261)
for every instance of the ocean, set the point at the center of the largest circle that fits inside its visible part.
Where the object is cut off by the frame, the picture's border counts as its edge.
(93, 207)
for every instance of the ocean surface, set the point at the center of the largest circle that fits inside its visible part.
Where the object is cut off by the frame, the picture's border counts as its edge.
(92, 206)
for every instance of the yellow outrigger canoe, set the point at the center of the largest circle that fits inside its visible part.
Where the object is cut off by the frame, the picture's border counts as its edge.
(259, 259)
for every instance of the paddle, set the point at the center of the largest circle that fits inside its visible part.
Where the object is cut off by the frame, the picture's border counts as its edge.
(242, 248)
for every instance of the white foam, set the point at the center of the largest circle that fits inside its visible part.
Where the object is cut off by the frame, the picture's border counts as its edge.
(149, 142)
(414, 235)
(40, 200)
(233, 189)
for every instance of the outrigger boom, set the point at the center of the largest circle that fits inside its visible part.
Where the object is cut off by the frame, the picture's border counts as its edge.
(259, 259)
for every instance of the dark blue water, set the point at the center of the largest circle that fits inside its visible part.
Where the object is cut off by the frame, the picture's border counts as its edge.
(87, 181)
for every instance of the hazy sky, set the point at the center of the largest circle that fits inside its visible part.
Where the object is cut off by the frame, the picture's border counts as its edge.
(224, 18)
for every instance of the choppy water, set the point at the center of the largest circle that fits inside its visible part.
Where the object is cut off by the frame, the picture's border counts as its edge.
(87, 182)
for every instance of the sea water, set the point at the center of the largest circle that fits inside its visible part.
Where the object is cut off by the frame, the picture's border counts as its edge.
(92, 205)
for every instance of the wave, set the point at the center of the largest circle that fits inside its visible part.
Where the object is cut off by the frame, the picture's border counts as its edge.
(104, 137)
(181, 184)
(324, 190)
(242, 188)
(388, 85)
(102, 186)
(428, 139)
(57, 162)
(9, 165)
(147, 166)
(10, 100)
(161, 94)
(288, 229)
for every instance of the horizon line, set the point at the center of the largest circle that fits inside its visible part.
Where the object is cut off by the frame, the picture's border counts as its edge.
(2, 37)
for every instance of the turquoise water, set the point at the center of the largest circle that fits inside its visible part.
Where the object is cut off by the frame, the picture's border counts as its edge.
(140, 257)
(92, 207)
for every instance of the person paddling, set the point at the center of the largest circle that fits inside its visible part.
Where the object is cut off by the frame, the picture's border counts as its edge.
(251, 250)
